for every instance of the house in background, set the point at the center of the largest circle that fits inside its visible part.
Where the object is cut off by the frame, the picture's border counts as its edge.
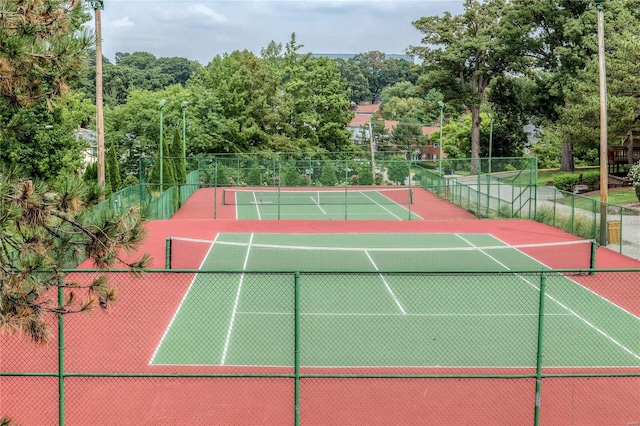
(90, 138)
(361, 130)
(627, 153)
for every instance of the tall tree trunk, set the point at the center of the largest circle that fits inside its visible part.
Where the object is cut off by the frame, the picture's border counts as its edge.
(630, 149)
(475, 139)
(566, 163)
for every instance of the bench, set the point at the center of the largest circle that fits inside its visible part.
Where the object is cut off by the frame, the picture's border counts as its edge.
(579, 189)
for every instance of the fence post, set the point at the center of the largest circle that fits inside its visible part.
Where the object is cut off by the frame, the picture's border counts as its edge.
(536, 418)
(60, 355)
(296, 344)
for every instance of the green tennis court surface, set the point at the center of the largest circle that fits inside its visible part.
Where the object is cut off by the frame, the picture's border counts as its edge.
(321, 204)
(373, 318)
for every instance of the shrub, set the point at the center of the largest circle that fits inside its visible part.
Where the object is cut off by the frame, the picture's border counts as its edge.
(566, 181)
(591, 178)
(634, 174)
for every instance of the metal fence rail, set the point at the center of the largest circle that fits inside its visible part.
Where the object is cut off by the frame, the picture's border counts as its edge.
(515, 194)
(194, 347)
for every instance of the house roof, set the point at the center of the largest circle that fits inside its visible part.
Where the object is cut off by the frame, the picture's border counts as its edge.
(365, 112)
(367, 108)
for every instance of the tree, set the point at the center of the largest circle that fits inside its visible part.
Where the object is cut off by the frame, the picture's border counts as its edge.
(42, 54)
(178, 158)
(42, 49)
(580, 115)
(329, 176)
(398, 170)
(319, 102)
(45, 228)
(113, 169)
(168, 169)
(381, 72)
(557, 48)
(352, 76)
(408, 137)
(463, 53)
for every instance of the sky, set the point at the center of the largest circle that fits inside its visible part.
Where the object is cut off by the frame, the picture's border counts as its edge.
(202, 29)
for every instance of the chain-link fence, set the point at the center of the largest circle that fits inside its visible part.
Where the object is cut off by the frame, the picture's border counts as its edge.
(502, 192)
(187, 347)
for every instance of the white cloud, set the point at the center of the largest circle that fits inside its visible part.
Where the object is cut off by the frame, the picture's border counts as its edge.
(202, 29)
(123, 22)
(204, 12)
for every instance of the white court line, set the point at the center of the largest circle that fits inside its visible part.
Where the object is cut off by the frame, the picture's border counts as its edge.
(386, 284)
(382, 207)
(235, 304)
(175, 314)
(255, 201)
(562, 305)
(318, 204)
(377, 314)
(401, 206)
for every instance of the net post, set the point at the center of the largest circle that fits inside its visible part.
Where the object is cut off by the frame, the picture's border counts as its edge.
(279, 184)
(543, 279)
(296, 343)
(167, 253)
(409, 207)
(215, 187)
(592, 257)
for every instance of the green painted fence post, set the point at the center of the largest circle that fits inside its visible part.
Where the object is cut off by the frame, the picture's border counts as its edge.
(296, 344)
(536, 418)
(60, 356)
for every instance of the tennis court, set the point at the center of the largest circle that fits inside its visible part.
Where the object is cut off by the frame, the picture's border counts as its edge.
(321, 203)
(374, 318)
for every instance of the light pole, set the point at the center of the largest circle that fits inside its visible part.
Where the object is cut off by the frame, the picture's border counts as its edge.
(161, 105)
(490, 141)
(604, 169)
(184, 106)
(97, 6)
(441, 105)
(489, 166)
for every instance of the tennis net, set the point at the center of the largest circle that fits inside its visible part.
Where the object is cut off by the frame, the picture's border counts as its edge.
(188, 253)
(402, 196)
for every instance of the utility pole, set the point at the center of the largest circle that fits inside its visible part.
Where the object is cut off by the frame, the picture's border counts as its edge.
(97, 6)
(604, 169)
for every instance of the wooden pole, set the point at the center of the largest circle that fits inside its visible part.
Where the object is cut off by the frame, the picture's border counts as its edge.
(98, 5)
(604, 169)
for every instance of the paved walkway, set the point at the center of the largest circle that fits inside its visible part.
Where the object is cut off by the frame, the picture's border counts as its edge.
(546, 197)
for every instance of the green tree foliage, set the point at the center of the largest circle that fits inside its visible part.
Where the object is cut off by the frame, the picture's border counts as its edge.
(113, 169)
(42, 49)
(178, 158)
(381, 72)
(462, 53)
(580, 113)
(329, 175)
(40, 141)
(398, 170)
(44, 229)
(246, 93)
(290, 174)
(40, 59)
(407, 137)
(365, 174)
(135, 126)
(168, 169)
(320, 111)
(138, 70)
(511, 104)
(353, 77)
